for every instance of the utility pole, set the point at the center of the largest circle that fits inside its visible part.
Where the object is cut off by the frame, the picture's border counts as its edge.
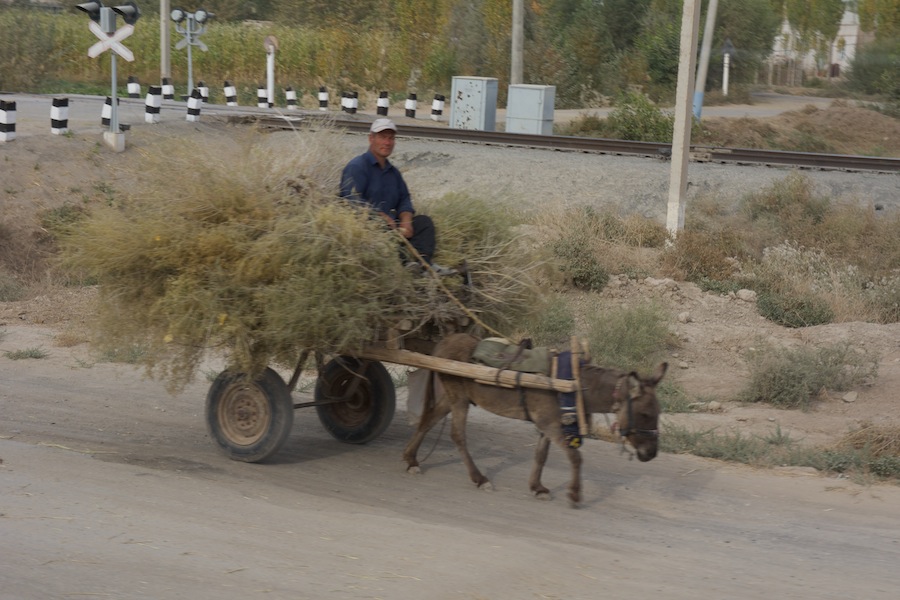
(681, 139)
(705, 49)
(518, 35)
(165, 41)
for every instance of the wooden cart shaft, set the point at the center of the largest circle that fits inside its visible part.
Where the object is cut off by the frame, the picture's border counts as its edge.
(480, 373)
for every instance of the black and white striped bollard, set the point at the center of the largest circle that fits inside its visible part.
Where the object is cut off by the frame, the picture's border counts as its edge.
(59, 116)
(262, 97)
(204, 91)
(230, 94)
(290, 96)
(437, 107)
(411, 104)
(193, 105)
(168, 90)
(7, 121)
(134, 87)
(152, 104)
(323, 98)
(345, 101)
(383, 104)
(352, 102)
(106, 115)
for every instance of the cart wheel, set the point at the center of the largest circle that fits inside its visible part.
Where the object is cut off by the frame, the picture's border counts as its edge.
(368, 410)
(250, 420)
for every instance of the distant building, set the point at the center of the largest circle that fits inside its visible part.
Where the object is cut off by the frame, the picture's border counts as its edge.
(789, 64)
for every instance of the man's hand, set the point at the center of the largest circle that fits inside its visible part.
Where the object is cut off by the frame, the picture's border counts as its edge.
(406, 226)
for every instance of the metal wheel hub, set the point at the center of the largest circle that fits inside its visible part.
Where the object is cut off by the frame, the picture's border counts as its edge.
(244, 414)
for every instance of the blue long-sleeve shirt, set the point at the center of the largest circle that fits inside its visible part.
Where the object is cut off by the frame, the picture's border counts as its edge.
(363, 180)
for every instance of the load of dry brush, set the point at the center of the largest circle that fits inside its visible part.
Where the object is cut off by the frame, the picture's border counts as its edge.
(245, 249)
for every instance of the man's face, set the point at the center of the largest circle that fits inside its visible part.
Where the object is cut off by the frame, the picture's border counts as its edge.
(382, 143)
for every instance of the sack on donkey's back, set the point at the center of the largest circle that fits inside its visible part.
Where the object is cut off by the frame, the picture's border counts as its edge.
(501, 354)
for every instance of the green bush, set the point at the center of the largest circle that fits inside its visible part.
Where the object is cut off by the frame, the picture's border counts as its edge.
(580, 264)
(793, 310)
(637, 118)
(553, 324)
(791, 378)
(10, 288)
(634, 337)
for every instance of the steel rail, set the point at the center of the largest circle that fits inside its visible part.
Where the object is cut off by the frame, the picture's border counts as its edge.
(699, 153)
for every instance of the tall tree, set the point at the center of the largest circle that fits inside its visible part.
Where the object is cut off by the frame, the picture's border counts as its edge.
(880, 16)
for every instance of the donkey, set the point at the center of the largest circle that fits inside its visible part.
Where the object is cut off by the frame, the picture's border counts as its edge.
(630, 396)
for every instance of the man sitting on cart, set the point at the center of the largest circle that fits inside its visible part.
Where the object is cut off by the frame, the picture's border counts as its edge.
(371, 179)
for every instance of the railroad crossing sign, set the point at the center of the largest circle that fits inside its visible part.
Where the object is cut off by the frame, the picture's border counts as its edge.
(111, 41)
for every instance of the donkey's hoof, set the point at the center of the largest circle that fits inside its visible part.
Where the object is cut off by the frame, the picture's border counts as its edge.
(543, 494)
(414, 470)
(486, 486)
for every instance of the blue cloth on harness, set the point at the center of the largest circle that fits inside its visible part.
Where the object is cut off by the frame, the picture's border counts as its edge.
(568, 410)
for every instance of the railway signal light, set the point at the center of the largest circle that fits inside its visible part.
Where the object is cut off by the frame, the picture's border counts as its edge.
(92, 9)
(129, 12)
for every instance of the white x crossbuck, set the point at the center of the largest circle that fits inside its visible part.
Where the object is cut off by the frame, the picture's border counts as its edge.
(111, 42)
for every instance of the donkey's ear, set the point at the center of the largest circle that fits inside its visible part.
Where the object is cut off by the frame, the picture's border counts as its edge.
(659, 373)
(634, 384)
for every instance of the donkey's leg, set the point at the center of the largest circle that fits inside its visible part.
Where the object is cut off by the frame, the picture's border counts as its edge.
(551, 430)
(540, 459)
(460, 412)
(428, 420)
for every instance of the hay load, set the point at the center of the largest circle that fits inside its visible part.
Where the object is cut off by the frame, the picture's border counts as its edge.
(245, 250)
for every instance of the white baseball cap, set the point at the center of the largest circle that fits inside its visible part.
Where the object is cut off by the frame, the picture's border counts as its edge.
(381, 125)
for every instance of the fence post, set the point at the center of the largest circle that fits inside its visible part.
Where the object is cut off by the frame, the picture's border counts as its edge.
(168, 90)
(323, 98)
(383, 104)
(152, 104)
(411, 106)
(230, 94)
(59, 116)
(134, 87)
(262, 96)
(7, 121)
(437, 107)
(193, 105)
(291, 97)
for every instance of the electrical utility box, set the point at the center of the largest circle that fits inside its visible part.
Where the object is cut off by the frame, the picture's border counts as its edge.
(529, 109)
(473, 103)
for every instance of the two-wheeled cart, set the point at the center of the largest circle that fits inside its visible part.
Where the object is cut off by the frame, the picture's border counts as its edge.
(354, 396)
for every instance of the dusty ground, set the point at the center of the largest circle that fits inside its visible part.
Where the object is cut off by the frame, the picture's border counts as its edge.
(111, 487)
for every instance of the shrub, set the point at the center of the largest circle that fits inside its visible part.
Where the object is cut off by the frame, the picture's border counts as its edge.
(10, 288)
(633, 337)
(635, 117)
(790, 378)
(792, 310)
(580, 264)
(591, 245)
(789, 209)
(552, 325)
(704, 255)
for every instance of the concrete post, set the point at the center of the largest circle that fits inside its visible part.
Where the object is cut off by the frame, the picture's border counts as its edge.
(518, 35)
(681, 140)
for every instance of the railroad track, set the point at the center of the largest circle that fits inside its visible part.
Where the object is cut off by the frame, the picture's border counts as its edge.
(744, 156)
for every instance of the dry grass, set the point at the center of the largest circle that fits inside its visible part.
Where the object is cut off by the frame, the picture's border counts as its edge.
(878, 441)
(256, 257)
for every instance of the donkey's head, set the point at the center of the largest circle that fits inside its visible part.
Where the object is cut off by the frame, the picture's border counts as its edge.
(637, 411)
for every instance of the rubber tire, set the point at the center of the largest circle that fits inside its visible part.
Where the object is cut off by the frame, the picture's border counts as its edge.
(249, 421)
(368, 413)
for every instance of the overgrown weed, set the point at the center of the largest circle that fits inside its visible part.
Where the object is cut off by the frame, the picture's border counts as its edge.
(795, 377)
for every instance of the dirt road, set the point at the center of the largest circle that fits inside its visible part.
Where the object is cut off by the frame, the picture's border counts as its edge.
(111, 488)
